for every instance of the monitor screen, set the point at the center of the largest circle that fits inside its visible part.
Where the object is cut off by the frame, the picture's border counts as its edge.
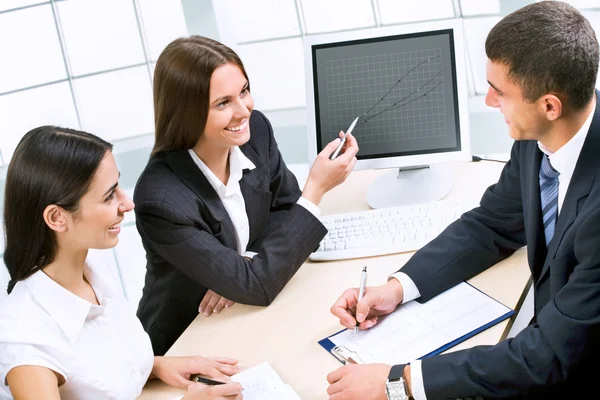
(403, 87)
(407, 85)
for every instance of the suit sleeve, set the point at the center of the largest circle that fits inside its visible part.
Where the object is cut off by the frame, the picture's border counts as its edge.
(285, 194)
(477, 240)
(541, 355)
(290, 234)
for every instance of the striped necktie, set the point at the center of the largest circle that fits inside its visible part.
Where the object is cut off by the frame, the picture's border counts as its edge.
(548, 197)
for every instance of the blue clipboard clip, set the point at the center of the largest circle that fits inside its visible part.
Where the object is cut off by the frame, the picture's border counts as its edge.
(345, 355)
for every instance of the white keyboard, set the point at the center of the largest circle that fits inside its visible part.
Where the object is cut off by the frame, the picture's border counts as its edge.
(386, 230)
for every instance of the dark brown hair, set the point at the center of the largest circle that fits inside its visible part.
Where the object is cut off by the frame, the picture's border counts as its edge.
(50, 165)
(549, 47)
(182, 89)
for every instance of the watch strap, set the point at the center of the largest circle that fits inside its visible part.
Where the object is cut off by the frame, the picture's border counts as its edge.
(396, 372)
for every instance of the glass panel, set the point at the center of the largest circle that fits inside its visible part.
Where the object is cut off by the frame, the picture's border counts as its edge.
(163, 21)
(22, 111)
(131, 257)
(582, 4)
(278, 83)
(116, 104)
(10, 4)
(478, 7)
(91, 47)
(337, 15)
(239, 15)
(394, 11)
(476, 31)
(30, 40)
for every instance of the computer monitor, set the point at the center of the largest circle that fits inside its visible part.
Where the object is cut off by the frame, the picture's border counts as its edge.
(407, 85)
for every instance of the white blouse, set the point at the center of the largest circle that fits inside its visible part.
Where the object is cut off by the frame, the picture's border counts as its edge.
(101, 351)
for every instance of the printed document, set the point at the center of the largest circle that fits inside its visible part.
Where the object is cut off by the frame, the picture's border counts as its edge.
(415, 330)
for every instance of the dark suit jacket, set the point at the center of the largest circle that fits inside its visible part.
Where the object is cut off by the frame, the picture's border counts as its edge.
(555, 357)
(190, 240)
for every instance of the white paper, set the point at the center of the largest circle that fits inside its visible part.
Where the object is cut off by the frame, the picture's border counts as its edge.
(263, 383)
(415, 330)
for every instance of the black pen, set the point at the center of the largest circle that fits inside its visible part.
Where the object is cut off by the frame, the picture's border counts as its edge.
(206, 381)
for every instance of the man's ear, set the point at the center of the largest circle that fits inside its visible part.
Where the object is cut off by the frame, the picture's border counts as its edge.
(56, 218)
(552, 106)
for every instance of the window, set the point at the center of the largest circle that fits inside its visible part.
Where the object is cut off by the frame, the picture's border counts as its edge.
(478, 7)
(30, 49)
(117, 104)
(22, 111)
(91, 47)
(476, 31)
(393, 11)
(163, 21)
(278, 83)
(337, 15)
(244, 14)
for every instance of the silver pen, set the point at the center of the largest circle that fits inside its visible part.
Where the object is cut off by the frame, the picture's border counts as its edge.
(339, 148)
(361, 292)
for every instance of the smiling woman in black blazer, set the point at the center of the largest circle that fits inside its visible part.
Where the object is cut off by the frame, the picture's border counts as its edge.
(221, 217)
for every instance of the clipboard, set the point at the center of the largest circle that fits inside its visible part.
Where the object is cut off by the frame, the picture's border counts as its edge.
(346, 355)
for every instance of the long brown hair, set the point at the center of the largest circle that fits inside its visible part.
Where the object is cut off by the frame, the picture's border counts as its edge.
(182, 89)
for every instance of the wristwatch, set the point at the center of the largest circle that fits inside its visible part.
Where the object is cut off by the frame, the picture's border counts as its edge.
(395, 386)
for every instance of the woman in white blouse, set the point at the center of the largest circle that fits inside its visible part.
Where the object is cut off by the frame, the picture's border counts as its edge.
(65, 329)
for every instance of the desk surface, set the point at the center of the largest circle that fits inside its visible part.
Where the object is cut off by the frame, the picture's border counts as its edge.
(285, 334)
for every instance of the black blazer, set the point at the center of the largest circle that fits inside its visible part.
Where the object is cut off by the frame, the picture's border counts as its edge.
(190, 240)
(555, 357)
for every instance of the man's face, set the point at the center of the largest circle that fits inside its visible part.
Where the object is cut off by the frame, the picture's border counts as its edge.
(525, 120)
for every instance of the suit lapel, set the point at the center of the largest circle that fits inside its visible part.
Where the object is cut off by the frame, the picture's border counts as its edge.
(535, 229)
(588, 165)
(253, 185)
(186, 169)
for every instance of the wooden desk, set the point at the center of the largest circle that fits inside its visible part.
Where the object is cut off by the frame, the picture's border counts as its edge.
(285, 334)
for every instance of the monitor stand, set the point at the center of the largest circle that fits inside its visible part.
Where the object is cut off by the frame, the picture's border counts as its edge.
(411, 185)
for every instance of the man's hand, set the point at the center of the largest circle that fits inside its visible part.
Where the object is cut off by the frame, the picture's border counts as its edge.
(377, 301)
(213, 303)
(358, 382)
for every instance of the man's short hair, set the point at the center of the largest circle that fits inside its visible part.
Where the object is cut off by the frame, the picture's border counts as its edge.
(548, 47)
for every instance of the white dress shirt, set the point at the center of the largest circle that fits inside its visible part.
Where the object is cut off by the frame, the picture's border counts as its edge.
(232, 198)
(562, 160)
(101, 351)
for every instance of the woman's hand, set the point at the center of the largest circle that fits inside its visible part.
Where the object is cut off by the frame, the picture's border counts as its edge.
(325, 174)
(213, 302)
(228, 391)
(177, 371)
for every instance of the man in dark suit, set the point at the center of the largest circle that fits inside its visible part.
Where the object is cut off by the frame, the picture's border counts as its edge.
(542, 68)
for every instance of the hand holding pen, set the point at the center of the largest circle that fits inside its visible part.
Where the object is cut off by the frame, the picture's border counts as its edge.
(361, 292)
(212, 391)
(376, 301)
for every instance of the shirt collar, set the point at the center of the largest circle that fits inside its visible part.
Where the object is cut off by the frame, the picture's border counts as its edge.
(565, 158)
(238, 162)
(67, 309)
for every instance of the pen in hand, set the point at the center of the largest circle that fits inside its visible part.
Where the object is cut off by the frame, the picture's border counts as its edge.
(361, 292)
(206, 381)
